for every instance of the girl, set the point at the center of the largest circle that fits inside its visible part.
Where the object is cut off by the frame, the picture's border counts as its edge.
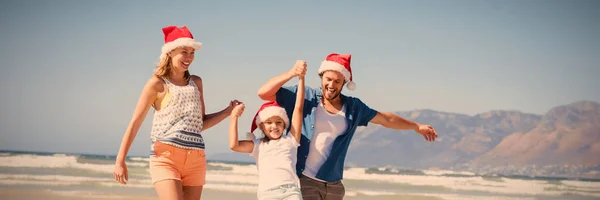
(177, 159)
(275, 153)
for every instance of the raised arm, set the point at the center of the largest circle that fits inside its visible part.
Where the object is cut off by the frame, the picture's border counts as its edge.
(393, 121)
(269, 90)
(296, 126)
(212, 119)
(244, 146)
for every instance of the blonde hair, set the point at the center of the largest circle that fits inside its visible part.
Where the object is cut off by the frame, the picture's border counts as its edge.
(164, 67)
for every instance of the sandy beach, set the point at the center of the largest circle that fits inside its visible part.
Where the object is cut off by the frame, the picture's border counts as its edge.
(66, 177)
(20, 194)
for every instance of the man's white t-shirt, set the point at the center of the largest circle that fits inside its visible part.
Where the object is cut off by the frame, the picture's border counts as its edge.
(327, 128)
(276, 162)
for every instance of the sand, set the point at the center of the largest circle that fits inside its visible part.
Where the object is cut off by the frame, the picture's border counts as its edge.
(20, 194)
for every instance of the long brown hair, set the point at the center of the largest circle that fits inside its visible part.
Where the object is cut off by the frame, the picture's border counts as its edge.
(164, 67)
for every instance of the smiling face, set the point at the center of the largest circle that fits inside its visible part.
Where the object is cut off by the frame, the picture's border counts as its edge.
(182, 58)
(273, 127)
(332, 83)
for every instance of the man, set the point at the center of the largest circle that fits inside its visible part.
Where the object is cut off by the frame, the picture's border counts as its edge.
(330, 120)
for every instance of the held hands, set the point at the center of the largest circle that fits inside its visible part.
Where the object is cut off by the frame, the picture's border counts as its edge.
(427, 131)
(238, 110)
(299, 69)
(232, 104)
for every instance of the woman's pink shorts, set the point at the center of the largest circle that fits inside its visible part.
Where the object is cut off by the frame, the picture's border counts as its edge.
(170, 162)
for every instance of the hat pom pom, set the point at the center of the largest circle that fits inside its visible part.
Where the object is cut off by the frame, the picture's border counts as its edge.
(250, 136)
(351, 85)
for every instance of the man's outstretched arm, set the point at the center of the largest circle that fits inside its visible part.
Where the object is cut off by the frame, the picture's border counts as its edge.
(269, 90)
(393, 121)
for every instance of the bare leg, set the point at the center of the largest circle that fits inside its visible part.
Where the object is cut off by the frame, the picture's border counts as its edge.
(192, 192)
(169, 189)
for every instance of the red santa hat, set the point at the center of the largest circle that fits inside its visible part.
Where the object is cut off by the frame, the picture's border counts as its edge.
(341, 64)
(266, 111)
(177, 37)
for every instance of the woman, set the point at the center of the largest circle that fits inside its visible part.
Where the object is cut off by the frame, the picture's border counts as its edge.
(177, 159)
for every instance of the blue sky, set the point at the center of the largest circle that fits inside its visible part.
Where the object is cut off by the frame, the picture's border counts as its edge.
(72, 71)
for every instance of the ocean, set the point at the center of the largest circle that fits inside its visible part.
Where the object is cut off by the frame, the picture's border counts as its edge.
(33, 175)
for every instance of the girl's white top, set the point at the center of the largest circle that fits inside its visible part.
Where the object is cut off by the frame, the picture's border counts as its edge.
(276, 162)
